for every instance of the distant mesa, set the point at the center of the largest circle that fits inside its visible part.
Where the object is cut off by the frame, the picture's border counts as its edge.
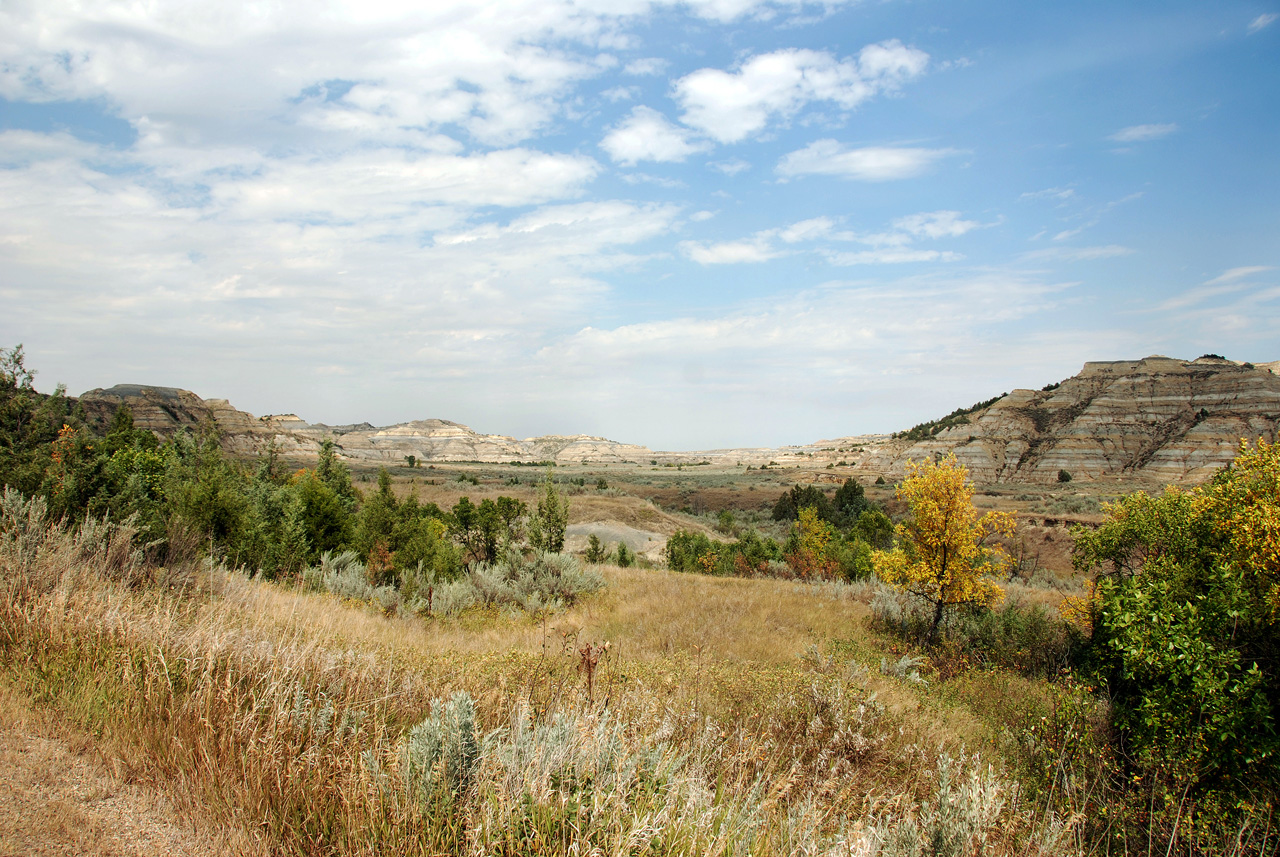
(1158, 418)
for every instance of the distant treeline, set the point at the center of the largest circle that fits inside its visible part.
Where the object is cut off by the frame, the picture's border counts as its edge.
(958, 417)
(832, 538)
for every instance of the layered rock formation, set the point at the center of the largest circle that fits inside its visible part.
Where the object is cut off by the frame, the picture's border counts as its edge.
(1160, 419)
(167, 410)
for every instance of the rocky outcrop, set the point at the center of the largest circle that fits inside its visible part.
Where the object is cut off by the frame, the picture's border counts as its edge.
(1161, 419)
(167, 410)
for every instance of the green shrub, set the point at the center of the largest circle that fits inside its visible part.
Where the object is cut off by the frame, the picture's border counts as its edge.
(595, 549)
(1185, 630)
(685, 548)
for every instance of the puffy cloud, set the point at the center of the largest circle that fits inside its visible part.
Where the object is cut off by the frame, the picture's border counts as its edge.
(871, 164)
(646, 135)
(807, 230)
(391, 182)
(1142, 133)
(729, 106)
(214, 72)
(646, 67)
(935, 224)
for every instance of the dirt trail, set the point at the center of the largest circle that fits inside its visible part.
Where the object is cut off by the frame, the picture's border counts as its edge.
(57, 798)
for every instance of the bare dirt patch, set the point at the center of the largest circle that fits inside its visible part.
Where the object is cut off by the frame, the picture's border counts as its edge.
(58, 798)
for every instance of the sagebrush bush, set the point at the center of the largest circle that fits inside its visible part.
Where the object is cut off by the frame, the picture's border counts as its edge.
(956, 822)
(443, 750)
(344, 575)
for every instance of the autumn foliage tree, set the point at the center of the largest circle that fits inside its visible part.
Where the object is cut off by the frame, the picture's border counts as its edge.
(946, 549)
(812, 554)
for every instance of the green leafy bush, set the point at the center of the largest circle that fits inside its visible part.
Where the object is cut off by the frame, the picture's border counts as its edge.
(1184, 627)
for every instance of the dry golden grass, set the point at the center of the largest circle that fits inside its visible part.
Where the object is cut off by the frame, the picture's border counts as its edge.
(690, 630)
(285, 713)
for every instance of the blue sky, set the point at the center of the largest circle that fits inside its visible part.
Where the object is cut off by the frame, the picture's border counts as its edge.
(687, 225)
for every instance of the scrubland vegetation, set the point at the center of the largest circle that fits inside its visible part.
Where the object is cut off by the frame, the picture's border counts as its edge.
(322, 670)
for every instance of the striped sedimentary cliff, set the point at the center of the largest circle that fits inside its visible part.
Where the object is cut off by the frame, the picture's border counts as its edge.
(1166, 420)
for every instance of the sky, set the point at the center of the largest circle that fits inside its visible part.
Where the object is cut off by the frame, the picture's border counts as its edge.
(688, 225)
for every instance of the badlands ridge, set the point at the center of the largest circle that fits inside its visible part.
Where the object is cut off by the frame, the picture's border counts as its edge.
(1158, 419)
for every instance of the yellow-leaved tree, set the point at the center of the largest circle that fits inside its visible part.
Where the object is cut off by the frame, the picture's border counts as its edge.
(944, 551)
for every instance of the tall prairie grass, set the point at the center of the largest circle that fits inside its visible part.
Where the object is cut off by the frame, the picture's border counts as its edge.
(318, 725)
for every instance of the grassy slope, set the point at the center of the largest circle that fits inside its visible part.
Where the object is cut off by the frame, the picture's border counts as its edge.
(284, 713)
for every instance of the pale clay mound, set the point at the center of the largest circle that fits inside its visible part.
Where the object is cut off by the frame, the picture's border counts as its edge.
(645, 542)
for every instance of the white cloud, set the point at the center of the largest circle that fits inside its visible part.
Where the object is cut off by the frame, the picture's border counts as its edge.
(731, 106)
(214, 72)
(1049, 193)
(646, 67)
(646, 135)
(1262, 21)
(700, 216)
(935, 224)
(660, 181)
(391, 182)
(1079, 254)
(1233, 274)
(872, 164)
(820, 320)
(725, 11)
(807, 230)
(1200, 295)
(891, 247)
(1142, 133)
(757, 249)
(731, 167)
(621, 93)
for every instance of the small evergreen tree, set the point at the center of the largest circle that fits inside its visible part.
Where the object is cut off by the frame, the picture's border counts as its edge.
(595, 549)
(549, 521)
